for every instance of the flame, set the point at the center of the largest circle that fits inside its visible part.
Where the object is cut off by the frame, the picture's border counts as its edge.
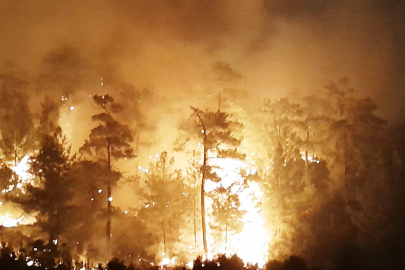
(22, 171)
(22, 168)
(251, 245)
(310, 158)
(9, 220)
(167, 261)
(11, 216)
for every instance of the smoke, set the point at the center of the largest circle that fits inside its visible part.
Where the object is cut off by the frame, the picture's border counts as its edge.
(170, 53)
(281, 48)
(276, 48)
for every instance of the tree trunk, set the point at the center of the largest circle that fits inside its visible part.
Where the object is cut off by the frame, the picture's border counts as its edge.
(204, 168)
(164, 236)
(164, 209)
(194, 218)
(226, 231)
(204, 233)
(109, 193)
(15, 182)
(178, 231)
(57, 227)
(306, 159)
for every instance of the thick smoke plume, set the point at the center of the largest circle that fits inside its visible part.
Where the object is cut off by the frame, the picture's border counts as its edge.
(281, 48)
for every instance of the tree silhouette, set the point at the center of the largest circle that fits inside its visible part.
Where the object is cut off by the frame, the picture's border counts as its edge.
(15, 120)
(50, 195)
(89, 181)
(213, 130)
(193, 177)
(109, 140)
(166, 209)
(227, 218)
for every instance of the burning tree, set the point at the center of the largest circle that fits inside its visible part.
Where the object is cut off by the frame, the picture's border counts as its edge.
(15, 120)
(193, 176)
(288, 196)
(228, 218)
(52, 192)
(214, 131)
(109, 140)
(166, 208)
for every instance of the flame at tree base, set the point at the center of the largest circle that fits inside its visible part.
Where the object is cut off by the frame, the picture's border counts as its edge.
(251, 244)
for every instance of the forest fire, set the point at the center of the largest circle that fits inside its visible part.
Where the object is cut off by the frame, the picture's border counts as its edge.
(14, 219)
(12, 216)
(22, 169)
(251, 245)
(206, 135)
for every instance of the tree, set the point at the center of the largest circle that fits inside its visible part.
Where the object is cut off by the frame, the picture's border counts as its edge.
(138, 107)
(227, 216)
(52, 192)
(109, 140)
(330, 173)
(89, 181)
(5, 175)
(284, 181)
(48, 119)
(213, 130)
(166, 209)
(132, 239)
(193, 176)
(15, 120)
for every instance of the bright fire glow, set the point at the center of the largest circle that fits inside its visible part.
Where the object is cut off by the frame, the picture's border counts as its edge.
(22, 168)
(10, 216)
(310, 158)
(167, 261)
(251, 244)
(9, 220)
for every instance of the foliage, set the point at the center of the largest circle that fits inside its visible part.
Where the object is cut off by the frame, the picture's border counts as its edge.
(166, 209)
(16, 121)
(50, 196)
(227, 217)
(330, 168)
(213, 130)
(110, 138)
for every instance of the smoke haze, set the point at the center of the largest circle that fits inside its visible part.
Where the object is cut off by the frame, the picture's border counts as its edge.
(281, 48)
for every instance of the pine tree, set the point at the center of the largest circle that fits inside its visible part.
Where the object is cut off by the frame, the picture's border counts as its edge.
(5, 175)
(166, 209)
(15, 120)
(227, 218)
(285, 183)
(193, 176)
(89, 181)
(109, 140)
(52, 192)
(214, 131)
